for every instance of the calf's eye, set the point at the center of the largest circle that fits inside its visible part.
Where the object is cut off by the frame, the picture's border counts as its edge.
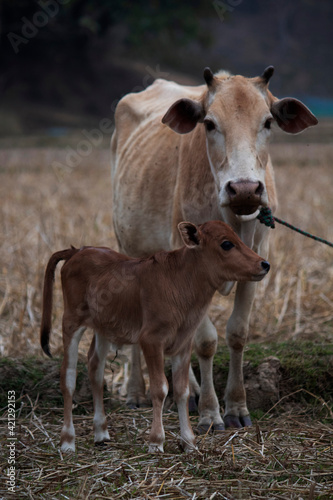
(227, 245)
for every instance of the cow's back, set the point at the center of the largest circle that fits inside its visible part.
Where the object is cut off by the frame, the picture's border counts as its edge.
(144, 157)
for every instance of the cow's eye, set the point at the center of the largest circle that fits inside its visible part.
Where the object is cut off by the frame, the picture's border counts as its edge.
(209, 125)
(268, 123)
(227, 245)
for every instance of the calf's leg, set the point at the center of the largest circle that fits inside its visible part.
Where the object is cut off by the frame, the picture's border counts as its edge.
(98, 351)
(236, 412)
(205, 343)
(158, 390)
(181, 392)
(71, 338)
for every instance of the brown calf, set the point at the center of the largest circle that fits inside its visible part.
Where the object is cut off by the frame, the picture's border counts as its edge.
(157, 302)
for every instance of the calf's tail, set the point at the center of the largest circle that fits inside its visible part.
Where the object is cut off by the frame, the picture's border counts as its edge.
(46, 324)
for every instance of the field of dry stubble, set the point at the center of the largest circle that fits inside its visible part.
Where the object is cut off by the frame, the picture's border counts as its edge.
(285, 457)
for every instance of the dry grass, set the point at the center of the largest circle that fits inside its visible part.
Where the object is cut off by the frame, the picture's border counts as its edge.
(288, 457)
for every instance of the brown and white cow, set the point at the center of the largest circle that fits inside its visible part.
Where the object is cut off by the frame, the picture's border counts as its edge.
(200, 153)
(157, 302)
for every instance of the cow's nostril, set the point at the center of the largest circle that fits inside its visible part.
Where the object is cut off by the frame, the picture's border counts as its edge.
(260, 189)
(265, 265)
(231, 190)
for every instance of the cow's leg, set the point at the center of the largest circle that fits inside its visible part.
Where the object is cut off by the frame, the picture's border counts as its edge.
(194, 391)
(158, 390)
(205, 343)
(136, 390)
(236, 412)
(98, 351)
(71, 339)
(181, 392)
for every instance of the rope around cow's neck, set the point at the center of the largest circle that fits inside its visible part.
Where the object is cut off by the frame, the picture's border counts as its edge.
(266, 217)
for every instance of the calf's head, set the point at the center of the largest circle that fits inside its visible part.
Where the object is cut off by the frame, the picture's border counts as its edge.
(237, 114)
(222, 254)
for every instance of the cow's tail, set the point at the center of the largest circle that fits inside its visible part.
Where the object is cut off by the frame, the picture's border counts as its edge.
(46, 324)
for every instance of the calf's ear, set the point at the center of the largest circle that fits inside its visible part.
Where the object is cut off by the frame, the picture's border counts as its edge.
(292, 115)
(183, 116)
(190, 234)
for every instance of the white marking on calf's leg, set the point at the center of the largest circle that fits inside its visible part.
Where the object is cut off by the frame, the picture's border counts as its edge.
(68, 383)
(96, 364)
(181, 391)
(158, 388)
(186, 432)
(157, 434)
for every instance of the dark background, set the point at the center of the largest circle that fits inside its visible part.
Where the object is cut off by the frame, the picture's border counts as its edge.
(65, 63)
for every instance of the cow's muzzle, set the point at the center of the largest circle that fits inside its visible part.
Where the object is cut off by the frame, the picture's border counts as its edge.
(244, 196)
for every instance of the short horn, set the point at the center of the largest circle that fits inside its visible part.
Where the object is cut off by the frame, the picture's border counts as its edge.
(208, 76)
(267, 74)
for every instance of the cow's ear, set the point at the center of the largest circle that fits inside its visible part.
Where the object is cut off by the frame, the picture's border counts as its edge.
(183, 116)
(292, 115)
(190, 234)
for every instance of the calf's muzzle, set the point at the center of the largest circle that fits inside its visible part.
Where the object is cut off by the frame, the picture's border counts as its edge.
(244, 196)
(266, 266)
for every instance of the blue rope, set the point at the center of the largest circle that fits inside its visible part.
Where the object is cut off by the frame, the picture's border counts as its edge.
(266, 217)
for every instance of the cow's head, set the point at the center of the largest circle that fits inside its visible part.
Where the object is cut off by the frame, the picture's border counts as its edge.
(237, 114)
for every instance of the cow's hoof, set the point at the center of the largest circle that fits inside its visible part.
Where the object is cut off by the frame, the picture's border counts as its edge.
(204, 428)
(193, 403)
(218, 427)
(232, 422)
(134, 405)
(246, 421)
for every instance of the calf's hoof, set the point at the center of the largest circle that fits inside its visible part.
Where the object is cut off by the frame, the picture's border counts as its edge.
(67, 447)
(155, 448)
(102, 443)
(189, 448)
(235, 422)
